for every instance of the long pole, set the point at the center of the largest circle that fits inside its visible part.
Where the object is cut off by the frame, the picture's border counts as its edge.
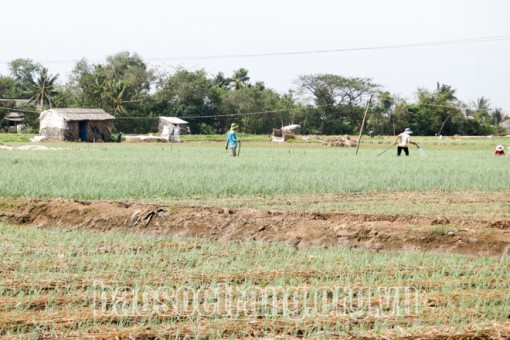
(442, 125)
(363, 124)
(386, 150)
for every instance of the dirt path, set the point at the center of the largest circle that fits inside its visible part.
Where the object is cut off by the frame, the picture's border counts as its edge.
(373, 232)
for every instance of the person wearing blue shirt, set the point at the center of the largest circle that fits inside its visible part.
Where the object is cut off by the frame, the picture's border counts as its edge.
(232, 139)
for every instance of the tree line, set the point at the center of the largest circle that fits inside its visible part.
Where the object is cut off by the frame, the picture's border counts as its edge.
(328, 104)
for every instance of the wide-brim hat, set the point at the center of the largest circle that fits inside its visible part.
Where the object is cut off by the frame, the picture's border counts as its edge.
(500, 148)
(234, 126)
(408, 130)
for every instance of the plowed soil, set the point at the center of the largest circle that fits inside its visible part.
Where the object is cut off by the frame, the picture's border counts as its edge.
(468, 236)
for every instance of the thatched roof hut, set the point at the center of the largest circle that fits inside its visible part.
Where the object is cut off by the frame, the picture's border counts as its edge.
(14, 121)
(73, 124)
(14, 117)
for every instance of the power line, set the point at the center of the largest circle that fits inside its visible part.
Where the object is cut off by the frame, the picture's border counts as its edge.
(450, 106)
(340, 50)
(424, 44)
(269, 111)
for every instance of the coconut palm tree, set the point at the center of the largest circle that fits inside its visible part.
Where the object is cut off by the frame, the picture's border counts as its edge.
(482, 109)
(117, 94)
(98, 85)
(445, 96)
(220, 81)
(445, 93)
(239, 79)
(43, 89)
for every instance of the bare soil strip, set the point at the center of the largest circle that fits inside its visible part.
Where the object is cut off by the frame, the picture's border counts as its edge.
(464, 235)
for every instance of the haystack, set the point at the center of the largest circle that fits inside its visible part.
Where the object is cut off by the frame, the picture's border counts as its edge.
(340, 141)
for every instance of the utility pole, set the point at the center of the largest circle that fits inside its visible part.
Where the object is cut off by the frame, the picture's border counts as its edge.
(363, 124)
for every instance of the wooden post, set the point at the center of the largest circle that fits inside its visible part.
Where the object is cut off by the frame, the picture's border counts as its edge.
(363, 124)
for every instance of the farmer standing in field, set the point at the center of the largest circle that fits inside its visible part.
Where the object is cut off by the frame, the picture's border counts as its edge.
(232, 139)
(403, 140)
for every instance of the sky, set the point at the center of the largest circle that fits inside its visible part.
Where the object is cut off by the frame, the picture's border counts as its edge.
(205, 34)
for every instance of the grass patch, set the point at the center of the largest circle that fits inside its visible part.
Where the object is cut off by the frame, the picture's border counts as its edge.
(15, 137)
(443, 229)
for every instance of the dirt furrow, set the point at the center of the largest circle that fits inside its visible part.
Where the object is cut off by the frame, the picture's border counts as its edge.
(373, 232)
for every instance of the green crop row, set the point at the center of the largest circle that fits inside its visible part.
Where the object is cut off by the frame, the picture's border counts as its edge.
(152, 171)
(53, 281)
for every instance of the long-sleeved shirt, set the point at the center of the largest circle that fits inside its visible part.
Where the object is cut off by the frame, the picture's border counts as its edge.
(232, 139)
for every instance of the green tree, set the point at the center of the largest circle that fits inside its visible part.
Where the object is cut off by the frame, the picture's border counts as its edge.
(497, 116)
(23, 71)
(116, 91)
(482, 109)
(91, 85)
(437, 112)
(64, 96)
(239, 79)
(340, 100)
(43, 89)
(130, 69)
(7, 87)
(126, 81)
(189, 94)
(220, 81)
(473, 127)
(77, 83)
(256, 109)
(381, 114)
(287, 110)
(121, 86)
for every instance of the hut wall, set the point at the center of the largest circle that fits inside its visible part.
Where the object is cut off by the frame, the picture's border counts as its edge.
(72, 133)
(52, 125)
(97, 131)
(52, 133)
(162, 124)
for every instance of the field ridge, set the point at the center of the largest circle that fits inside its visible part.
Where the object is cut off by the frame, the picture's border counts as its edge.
(376, 232)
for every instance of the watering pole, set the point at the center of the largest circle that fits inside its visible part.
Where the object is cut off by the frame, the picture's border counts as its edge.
(386, 149)
(363, 124)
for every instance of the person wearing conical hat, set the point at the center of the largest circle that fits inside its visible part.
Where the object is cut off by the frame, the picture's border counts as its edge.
(403, 140)
(232, 139)
(500, 150)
